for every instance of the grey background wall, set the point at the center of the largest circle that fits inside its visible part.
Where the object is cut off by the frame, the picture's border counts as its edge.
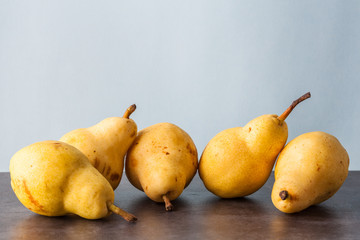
(203, 65)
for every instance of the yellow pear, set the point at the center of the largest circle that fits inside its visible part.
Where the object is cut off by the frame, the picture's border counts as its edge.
(105, 144)
(161, 162)
(238, 161)
(310, 169)
(53, 178)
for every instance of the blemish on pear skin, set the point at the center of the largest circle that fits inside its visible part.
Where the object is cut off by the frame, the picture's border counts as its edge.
(103, 170)
(249, 129)
(192, 151)
(56, 144)
(175, 179)
(133, 163)
(96, 163)
(108, 171)
(133, 134)
(167, 153)
(294, 197)
(114, 177)
(32, 199)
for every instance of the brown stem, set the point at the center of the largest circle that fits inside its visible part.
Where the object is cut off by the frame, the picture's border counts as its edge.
(129, 111)
(293, 105)
(168, 205)
(284, 194)
(127, 216)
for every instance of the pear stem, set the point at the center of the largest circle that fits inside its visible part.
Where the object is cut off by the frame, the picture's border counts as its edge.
(283, 116)
(168, 206)
(127, 216)
(284, 194)
(129, 111)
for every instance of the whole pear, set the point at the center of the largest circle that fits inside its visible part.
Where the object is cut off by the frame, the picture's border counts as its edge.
(105, 144)
(238, 161)
(53, 178)
(161, 162)
(311, 168)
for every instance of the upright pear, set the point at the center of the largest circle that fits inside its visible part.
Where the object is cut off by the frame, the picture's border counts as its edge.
(161, 162)
(238, 161)
(53, 178)
(105, 144)
(311, 168)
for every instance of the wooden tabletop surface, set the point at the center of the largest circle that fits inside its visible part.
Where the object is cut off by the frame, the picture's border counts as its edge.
(198, 215)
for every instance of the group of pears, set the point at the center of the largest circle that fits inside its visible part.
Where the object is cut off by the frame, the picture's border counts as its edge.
(79, 173)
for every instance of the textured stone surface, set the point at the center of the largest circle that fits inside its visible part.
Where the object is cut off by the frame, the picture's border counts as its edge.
(198, 215)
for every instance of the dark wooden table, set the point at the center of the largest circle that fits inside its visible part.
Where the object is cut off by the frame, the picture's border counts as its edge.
(198, 215)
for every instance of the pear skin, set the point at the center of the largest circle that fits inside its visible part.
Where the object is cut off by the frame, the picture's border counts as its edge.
(161, 162)
(53, 178)
(238, 161)
(310, 169)
(105, 144)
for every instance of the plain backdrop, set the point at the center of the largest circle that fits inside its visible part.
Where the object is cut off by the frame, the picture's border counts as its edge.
(203, 65)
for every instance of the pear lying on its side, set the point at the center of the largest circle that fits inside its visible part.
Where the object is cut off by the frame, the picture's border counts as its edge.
(161, 162)
(311, 168)
(53, 178)
(105, 144)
